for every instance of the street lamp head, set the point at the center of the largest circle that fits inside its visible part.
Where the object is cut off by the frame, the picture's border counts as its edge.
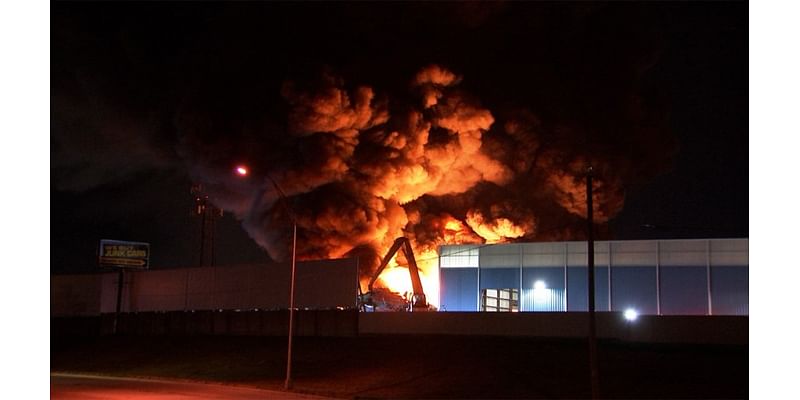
(241, 170)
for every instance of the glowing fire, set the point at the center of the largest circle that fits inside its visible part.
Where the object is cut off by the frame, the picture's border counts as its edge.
(397, 278)
(454, 225)
(496, 231)
(428, 170)
(456, 232)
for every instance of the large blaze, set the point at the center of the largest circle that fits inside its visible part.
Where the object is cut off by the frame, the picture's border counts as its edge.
(360, 168)
(397, 279)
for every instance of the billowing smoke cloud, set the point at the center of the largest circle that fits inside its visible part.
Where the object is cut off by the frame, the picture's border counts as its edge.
(359, 170)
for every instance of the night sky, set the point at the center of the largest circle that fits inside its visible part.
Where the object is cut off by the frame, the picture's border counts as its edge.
(656, 91)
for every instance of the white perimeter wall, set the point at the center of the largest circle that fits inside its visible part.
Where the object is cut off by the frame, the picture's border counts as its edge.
(320, 285)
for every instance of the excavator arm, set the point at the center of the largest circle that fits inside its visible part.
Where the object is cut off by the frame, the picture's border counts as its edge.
(418, 301)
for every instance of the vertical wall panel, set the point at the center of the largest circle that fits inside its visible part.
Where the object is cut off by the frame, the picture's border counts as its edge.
(578, 288)
(729, 276)
(683, 290)
(459, 288)
(729, 290)
(634, 287)
(600, 289)
(551, 298)
(683, 277)
(499, 278)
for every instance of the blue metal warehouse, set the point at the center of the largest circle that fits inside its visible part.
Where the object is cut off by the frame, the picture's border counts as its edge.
(656, 277)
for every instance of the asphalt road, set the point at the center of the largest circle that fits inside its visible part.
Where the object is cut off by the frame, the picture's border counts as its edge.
(90, 387)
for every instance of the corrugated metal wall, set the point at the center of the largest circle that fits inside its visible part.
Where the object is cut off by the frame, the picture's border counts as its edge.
(657, 277)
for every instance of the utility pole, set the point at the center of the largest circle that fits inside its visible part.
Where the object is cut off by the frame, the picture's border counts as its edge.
(590, 263)
(208, 214)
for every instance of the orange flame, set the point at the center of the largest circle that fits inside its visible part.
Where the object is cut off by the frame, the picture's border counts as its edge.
(496, 231)
(447, 230)
(396, 276)
(398, 279)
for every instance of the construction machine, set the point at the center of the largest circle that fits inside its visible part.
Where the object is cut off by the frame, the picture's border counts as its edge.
(383, 299)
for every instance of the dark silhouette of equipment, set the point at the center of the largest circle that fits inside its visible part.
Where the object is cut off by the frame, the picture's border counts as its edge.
(382, 299)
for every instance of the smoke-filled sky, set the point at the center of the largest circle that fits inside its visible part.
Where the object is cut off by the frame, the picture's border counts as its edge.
(454, 122)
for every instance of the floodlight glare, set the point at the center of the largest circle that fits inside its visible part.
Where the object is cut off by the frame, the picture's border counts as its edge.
(631, 314)
(539, 285)
(241, 170)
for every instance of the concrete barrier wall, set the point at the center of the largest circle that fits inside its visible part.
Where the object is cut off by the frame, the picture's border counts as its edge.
(320, 323)
(650, 329)
(335, 323)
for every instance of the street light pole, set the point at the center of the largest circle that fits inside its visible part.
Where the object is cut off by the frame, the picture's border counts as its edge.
(244, 171)
(288, 383)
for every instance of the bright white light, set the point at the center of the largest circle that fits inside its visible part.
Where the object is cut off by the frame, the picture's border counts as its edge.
(631, 314)
(241, 170)
(539, 285)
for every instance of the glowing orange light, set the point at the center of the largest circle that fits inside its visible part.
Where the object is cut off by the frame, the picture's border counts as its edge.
(454, 225)
(241, 170)
(397, 278)
(494, 231)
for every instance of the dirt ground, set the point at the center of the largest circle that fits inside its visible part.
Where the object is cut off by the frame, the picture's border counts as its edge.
(419, 367)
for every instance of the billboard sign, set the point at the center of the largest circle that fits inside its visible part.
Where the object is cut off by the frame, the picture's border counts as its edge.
(120, 254)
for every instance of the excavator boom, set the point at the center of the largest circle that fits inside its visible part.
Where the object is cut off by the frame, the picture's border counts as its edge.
(416, 282)
(418, 301)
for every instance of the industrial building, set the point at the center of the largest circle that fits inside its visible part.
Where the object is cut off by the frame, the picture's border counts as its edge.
(650, 277)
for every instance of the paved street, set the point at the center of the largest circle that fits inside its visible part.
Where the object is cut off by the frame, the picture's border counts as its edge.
(90, 387)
